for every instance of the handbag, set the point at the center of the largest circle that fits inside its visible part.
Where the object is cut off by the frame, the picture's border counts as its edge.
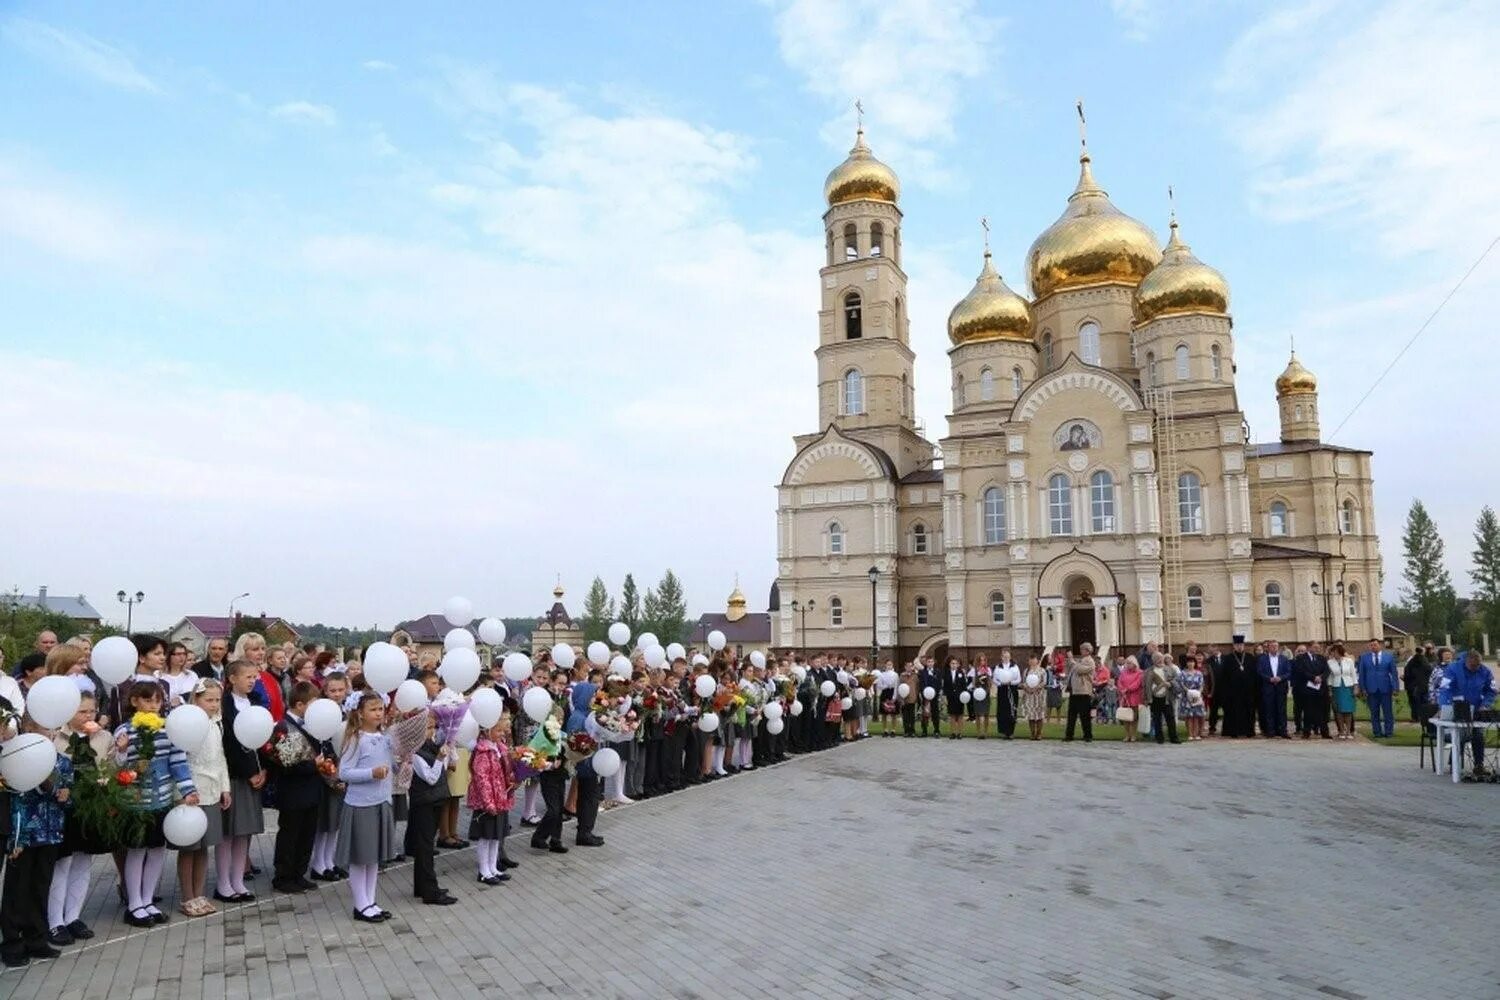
(1125, 714)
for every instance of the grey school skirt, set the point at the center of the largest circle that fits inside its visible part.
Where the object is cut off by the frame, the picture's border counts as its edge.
(330, 808)
(215, 829)
(367, 836)
(243, 817)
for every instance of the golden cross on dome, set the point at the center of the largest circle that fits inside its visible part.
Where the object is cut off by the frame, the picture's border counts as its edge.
(1172, 204)
(859, 112)
(1083, 127)
(984, 223)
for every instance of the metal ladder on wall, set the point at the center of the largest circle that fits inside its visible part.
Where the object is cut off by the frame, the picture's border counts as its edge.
(1173, 588)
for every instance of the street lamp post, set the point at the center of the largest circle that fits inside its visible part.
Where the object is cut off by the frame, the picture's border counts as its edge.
(803, 609)
(1327, 594)
(874, 619)
(130, 601)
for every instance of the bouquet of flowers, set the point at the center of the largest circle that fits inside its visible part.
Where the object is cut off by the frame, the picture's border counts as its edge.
(104, 797)
(291, 749)
(865, 679)
(529, 762)
(449, 714)
(581, 745)
(147, 725)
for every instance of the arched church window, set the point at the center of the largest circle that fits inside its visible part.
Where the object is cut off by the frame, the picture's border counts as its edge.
(1353, 596)
(1060, 505)
(830, 248)
(1016, 383)
(853, 317)
(1216, 359)
(1088, 342)
(1273, 600)
(1195, 602)
(921, 611)
(1047, 351)
(851, 242)
(877, 239)
(1346, 517)
(835, 612)
(1190, 504)
(958, 391)
(835, 539)
(852, 392)
(919, 539)
(1151, 369)
(994, 516)
(986, 385)
(1102, 502)
(997, 608)
(1182, 362)
(1279, 520)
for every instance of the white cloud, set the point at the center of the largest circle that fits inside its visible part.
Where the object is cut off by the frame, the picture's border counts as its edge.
(78, 52)
(378, 65)
(305, 111)
(910, 62)
(1137, 16)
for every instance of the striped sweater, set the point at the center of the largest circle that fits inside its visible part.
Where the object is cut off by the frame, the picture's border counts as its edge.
(165, 778)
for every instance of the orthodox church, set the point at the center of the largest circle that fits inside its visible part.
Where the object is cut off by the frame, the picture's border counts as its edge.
(1097, 482)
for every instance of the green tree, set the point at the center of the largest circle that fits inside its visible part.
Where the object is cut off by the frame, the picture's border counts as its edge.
(1429, 589)
(20, 624)
(630, 605)
(598, 612)
(669, 616)
(1486, 572)
(243, 624)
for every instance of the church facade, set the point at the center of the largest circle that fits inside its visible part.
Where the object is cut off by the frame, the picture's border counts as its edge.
(1097, 482)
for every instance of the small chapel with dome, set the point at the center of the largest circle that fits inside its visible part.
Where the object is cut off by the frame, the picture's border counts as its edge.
(1097, 482)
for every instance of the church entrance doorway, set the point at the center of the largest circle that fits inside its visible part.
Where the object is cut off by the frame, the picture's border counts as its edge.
(1081, 627)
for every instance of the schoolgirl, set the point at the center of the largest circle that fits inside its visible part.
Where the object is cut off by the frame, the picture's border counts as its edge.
(243, 819)
(367, 826)
(211, 778)
(37, 818)
(492, 793)
(331, 804)
(83, 743)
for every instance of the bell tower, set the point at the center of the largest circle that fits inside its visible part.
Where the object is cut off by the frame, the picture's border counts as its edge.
(865, 363)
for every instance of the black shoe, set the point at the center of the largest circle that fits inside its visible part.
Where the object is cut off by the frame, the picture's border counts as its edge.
(142, 917)
(42, 952)
(324, 876)
(488, 880)
(508, 863)
(440, 901)
(15, 961)
(254, 869)
(250, 875)
(528, 822)
(80, 930)
(59, 936)
(338, 873)
(365, 917)
(538, 845)
(159, 917)
(590, 840)
(557, 849)
(305, 884)
(291, 887)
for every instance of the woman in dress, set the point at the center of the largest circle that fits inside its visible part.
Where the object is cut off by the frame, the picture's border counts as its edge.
(1059, 670)
(955, 686)
(1130, 687)
(1342, 677)
(1034, 696)
(177, 676)
(979, 708)
(1190, 704)
(1007, 677)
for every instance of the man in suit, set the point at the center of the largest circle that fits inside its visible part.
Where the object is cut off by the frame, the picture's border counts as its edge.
(211, 667)
(1416, 679)
(928, 677)
(1275, 671)
(1377, 685)
(1302, 671)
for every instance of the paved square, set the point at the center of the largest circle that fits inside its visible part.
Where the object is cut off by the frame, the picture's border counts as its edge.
(907, 868)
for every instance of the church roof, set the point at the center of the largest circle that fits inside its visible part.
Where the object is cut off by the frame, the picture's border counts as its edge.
(753, 629)
(1269, 550)
(1295, 447)
(922, 476)
(428, 628)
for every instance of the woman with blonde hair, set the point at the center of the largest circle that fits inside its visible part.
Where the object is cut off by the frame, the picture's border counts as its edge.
(1343, 675)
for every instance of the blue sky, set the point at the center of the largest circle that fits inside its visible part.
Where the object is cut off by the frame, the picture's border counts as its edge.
(355, 310)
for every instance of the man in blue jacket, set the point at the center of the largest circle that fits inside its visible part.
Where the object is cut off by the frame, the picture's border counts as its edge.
(1275, 670)
(1377, 685)
(1469, 681)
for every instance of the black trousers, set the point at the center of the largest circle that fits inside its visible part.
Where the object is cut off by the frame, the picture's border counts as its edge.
(421, 833)
(23, 918)
(1416, 700)
(295, 830)
(1213, 716)
(651, 781)
(1005, 711)
(909, 718)
(553, 784)
(1081, 706)
(671, 756)
(1164, 720)
(590, 791)
(1315, 712)
(1299, 709)
(933, 712)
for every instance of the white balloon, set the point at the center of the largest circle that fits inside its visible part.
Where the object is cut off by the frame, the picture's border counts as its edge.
(1033, 681)
(563, 656)
(486, 706)
(606, 762)
(52, 701)
(757, 659)
(773, 710)
(846, 703)
(411, 695)
(492, 631)
(655, 657)
(708, 722)
(517, 667)
(385, 667)
(799, 672)
(859, 694)
(537, 703)
(705, 686)
(843, 676)
(114, 659)
(459, 611)
(699, 660)
(929, 693)
(253, 726)
(646, 640)
(184, 825)
(619, 633)
(716, 640)
(458, 638)
(620, 666)
(827, 688)
(323, 719)
(903, 690)
(963, 696)
(675, 652)
(27, 760)
(775, 726)
(598, 654)
(187, 728)
(460, 669)
(468, 731)
(796, 709)
(980, 694)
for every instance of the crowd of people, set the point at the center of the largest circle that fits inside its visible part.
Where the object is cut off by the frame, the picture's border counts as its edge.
(607, 731)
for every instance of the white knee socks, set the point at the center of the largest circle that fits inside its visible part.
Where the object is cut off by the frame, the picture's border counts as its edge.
(486, 855)
(70, 885)
(719, 760)
(151, 868)
(135, 861)
(322, 855)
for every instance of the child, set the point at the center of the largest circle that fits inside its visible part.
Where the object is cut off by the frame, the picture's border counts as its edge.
(37, 820)
(492, 792)
(367, 827)
(211, 778)
(296, 759)
(429, 788)
(83, 743)
(331, 802)
(142, 745)
(243, 820)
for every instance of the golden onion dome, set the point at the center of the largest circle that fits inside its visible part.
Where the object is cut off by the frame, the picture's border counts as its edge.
(1296, 378)
(1181, 283)
(991, 311)
(861, 177)
(737, 604)
(1091, 242)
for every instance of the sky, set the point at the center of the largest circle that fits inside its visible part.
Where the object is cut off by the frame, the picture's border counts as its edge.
(355, 308)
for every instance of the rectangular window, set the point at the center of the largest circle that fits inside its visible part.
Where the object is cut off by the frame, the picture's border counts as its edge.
(997, 609)
(1060, 505)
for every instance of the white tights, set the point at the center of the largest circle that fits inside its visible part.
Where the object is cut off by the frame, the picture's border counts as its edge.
(69, 889)
(322, 852)
(143, 867)
(528, 802)
(487, 855)
(362, 885)
(229, 864)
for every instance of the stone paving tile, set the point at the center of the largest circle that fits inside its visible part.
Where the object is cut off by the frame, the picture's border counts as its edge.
(899, 868)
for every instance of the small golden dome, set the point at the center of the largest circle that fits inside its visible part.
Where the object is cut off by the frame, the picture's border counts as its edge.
(861, 177)
(1181, 283)
(1090, 243)
(737, 605)
(1296, 379)
(557, 592)
(991, 311)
